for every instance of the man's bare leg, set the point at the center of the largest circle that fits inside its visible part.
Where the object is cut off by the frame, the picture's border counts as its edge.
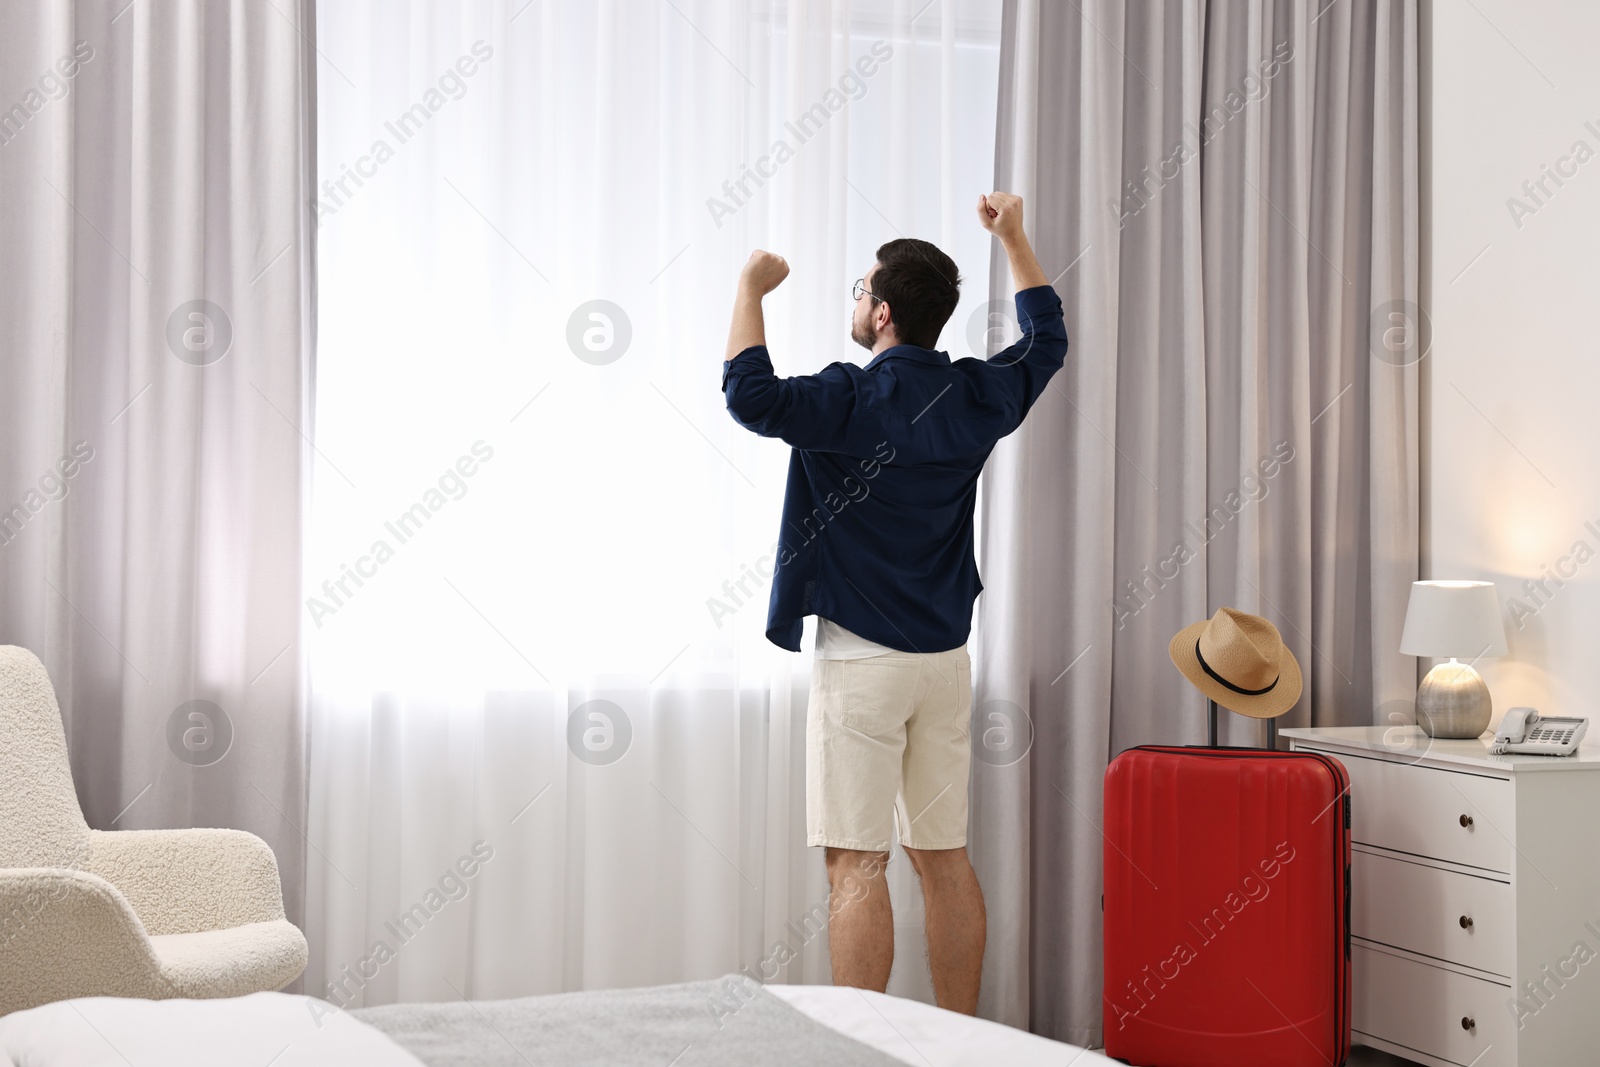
(956, 924)
(860, 924)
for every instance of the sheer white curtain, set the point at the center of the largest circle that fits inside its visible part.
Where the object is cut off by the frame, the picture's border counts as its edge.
(551, 747)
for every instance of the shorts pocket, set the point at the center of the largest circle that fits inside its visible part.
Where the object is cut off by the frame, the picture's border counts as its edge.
(875, 694)
(964, 696)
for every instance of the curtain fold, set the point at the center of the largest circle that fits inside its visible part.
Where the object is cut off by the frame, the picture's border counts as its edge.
(558, 653)
(154, 330)
(1228, 192)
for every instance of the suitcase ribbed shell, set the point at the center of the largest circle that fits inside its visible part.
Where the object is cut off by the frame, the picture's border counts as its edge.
(1226, 908)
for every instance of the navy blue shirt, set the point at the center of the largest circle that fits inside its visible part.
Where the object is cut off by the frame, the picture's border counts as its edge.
(877, 517)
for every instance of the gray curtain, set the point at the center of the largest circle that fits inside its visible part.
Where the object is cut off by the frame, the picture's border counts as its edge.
(155, 348)
(1229, 194)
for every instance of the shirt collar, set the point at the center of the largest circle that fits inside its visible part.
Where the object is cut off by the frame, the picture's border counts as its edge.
(931, 356)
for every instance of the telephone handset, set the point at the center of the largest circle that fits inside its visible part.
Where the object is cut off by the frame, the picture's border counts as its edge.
(1524, 730)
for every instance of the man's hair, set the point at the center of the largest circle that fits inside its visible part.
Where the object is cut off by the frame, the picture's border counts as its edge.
(921, 286)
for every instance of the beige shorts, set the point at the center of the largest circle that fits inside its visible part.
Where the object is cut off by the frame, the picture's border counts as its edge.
(889, 750)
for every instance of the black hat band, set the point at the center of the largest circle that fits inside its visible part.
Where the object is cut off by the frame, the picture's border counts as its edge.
(1220, 680)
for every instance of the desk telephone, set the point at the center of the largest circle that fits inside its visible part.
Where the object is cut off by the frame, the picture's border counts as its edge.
(1525, 731)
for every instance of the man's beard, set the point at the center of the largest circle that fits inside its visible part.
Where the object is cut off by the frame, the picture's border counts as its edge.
(864, 334)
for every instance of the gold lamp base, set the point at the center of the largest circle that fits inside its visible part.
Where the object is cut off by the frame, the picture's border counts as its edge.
(1453, 701)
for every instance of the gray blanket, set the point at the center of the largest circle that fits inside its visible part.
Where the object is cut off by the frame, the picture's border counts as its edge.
(724, 1022)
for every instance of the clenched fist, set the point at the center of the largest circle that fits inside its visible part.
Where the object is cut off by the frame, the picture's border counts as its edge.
(1001, 214)
(763, 272)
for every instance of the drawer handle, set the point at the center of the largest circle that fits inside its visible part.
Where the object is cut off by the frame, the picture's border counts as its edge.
(1468, 1023)
(1466, 922)
(1466, 820)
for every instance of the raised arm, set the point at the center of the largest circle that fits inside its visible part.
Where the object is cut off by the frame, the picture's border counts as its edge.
(822, 412)
(1027, 365)
(1001, 214)
(762, 273)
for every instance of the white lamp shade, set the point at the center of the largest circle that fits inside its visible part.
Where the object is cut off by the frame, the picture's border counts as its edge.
(1452, 619)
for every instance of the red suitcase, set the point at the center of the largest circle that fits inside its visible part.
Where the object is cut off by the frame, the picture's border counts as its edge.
(1227, 896)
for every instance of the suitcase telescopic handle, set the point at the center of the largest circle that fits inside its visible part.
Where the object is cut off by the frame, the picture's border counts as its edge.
(1211, 728)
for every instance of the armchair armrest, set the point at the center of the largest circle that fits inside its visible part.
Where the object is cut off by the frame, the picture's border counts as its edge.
(67, 933)
(186, 881)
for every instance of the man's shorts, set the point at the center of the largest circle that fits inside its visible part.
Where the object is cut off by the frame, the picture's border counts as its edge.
(889, 750)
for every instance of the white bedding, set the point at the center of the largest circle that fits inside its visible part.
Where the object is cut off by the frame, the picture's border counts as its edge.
(230, 1032)
(282, 1029)
(919, 1033)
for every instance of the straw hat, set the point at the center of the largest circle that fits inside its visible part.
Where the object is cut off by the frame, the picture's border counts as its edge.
(1239, 661)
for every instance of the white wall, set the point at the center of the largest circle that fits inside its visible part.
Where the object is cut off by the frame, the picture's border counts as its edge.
(1511, 431)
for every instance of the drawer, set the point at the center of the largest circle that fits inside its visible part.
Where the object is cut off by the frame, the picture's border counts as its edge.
(1422, 1007)
(1421, 908)
(1464, 818)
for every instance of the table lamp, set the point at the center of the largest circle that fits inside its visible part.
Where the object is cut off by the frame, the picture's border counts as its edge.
(1456, 620)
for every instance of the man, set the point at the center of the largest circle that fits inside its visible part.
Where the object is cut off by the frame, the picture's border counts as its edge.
(876, 541)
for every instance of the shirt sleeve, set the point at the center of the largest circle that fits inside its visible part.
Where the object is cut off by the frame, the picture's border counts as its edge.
(1030, 363)
(829, 411)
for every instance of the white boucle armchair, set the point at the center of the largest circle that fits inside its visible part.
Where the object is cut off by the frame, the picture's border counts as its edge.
(130, 913)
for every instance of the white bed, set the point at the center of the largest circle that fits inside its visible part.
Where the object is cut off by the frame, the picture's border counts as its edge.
(295, 1031)
(919, 1033)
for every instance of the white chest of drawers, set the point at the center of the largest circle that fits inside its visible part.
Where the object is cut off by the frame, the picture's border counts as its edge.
(1475, 898)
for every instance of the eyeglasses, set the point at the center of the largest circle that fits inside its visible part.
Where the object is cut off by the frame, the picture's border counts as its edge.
(861, 287)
